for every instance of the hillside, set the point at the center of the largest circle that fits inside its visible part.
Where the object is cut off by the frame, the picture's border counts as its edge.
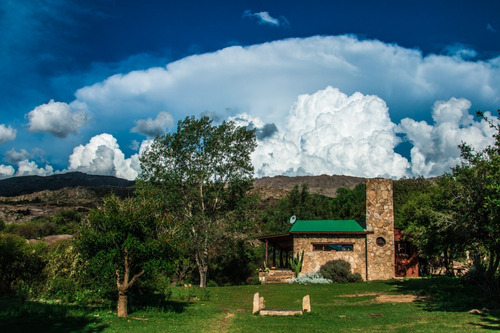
(277, 187)
(17, 186)
(32, 197)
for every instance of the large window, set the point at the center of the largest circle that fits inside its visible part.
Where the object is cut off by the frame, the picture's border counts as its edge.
(333, 246)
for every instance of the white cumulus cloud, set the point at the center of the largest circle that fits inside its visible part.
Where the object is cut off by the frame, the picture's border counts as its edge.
(435, 146)
(329, 132)
(6, 171)
(153, 127)
(56, 118)
(102, 155)
(7, 133)
(264, 80)
(30, 168)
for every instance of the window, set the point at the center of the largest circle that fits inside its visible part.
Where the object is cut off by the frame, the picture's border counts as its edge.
(403, 248)
(333, 246)
(380, 241)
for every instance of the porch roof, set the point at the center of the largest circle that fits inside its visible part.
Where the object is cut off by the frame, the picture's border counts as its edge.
(328, 226)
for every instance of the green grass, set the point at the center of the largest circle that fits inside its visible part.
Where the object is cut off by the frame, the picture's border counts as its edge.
(229, 309)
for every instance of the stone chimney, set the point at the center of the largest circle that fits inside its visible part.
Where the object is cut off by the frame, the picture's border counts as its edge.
(380, 221)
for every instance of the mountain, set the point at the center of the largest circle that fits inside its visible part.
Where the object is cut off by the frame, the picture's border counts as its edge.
(277, 187)
(31, 184)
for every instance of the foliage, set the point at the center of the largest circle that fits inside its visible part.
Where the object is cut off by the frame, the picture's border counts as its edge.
(202, 173)
(339, 271)
(347, 204)
(477, 201)
(296, 263)
(64, 272)
(310, 278)
(405, 190)
(430, 221)
(236, 263)
(19, 262)
(126, 239)
(64, 221)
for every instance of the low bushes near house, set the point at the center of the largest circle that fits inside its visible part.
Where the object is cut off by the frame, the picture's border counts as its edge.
(339, 271)
(310, 278)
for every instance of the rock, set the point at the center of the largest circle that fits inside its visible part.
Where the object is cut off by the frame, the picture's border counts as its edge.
(256, 303)
(306, 304)
(475, 311)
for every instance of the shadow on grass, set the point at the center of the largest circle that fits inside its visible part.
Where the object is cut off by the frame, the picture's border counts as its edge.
(147, 300)
(452, 295)
(17, 315)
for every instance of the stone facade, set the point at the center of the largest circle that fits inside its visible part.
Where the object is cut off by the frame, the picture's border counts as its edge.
(372, 253)
(380, 220)
(313, 260)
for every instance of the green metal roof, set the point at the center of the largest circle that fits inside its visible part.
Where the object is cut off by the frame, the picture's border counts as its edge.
(301, 226)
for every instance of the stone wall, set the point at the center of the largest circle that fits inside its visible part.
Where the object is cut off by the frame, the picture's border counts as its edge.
(313, 260)
(380, 220)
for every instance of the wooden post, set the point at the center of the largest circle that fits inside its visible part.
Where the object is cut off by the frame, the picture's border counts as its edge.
(274, 255)
(267, 254)
(281, 258)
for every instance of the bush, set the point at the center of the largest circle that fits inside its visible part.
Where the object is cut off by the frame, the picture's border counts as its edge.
(310, 278)
(339, 271)
(20, 263)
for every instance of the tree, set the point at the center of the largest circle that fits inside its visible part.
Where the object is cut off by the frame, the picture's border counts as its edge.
(477, 203)
(430, 222)
(19, 261)
(123, 236)
(202, 172)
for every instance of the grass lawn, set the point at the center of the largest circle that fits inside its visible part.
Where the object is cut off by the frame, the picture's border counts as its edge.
(443, 306)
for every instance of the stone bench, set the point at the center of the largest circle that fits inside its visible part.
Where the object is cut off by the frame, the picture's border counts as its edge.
(259, 306)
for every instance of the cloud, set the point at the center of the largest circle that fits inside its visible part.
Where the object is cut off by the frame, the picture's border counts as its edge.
(329, 132)
(152, 128)
(263, 18)
(6, 171)
(30, 168)
(102, 156)
(262, 131)
(7, 133)
(460, 51)
(13, 156)
(435, 146)
(56, 118)
(490, 28)
(264, 80)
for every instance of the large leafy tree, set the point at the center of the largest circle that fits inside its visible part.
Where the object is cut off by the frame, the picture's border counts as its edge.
(122, 239)
(429, 219)
(201, 173)
(477, 203)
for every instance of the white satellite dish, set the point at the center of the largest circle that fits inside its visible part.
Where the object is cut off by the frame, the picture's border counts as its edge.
(293, 219)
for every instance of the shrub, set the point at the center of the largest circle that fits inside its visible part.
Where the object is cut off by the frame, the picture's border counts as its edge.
(339, 271)
(19, 262)
(310, 278)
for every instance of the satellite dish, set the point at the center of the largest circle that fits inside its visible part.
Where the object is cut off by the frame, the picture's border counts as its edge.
(293, 219)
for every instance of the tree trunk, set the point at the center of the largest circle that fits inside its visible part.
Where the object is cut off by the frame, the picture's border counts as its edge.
(122, 304)
(123, 287)
(203, 277)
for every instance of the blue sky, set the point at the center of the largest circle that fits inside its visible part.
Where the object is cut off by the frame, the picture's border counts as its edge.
(362, 88)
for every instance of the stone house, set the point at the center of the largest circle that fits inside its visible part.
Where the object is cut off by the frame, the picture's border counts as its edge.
(367, 245)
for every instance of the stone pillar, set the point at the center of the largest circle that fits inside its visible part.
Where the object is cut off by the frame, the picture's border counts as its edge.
(256, 303)
(306, 304)
(380, 221)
